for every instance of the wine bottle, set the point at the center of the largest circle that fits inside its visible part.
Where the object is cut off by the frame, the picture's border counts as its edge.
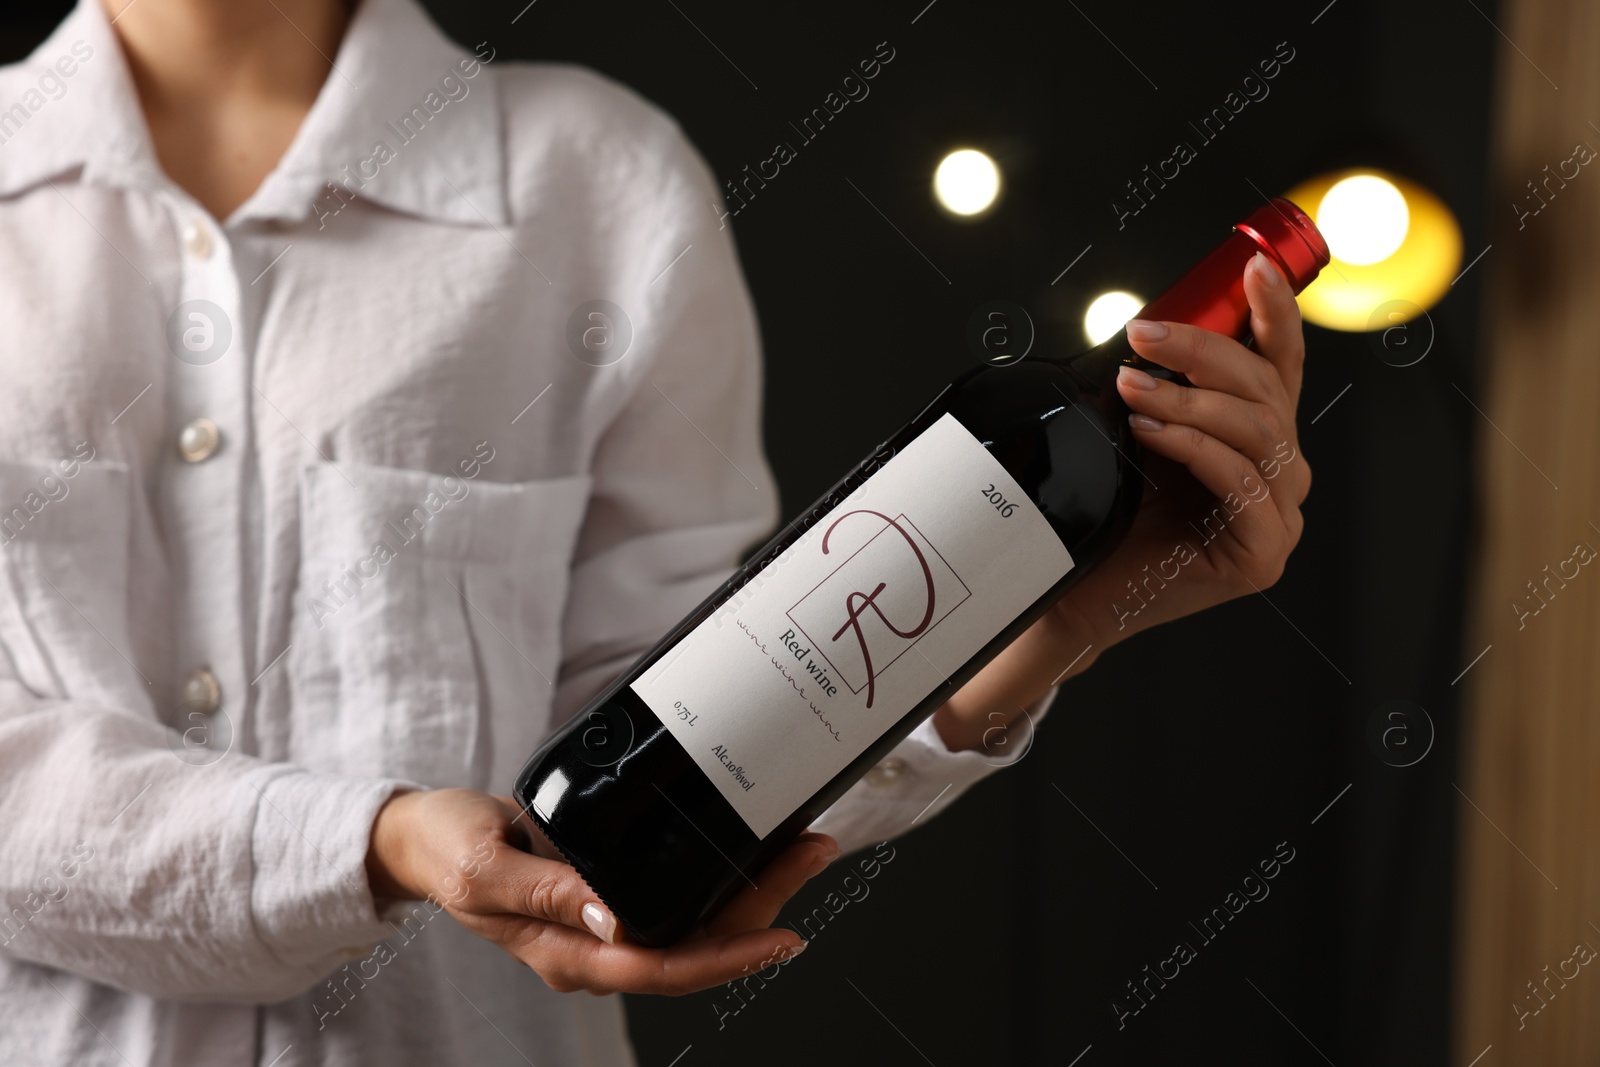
(684, 777)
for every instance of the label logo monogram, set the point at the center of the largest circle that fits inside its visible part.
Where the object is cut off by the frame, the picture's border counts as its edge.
(880, 601)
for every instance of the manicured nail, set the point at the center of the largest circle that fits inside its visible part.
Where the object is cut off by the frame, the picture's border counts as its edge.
(1136, 378)
(1145, 422)
(600, 922)
(1145, 330)
(820, 864)
(1264, 269)
(801, 947)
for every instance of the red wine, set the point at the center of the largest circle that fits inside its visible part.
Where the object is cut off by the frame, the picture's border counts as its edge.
(863, 616)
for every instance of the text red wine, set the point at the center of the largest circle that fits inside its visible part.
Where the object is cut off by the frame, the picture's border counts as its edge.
(859, 619)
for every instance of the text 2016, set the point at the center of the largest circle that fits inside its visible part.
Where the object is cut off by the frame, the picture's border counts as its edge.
(1001, 504)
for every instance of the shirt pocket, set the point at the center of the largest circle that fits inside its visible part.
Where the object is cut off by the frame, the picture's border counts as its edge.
(64, 582)
(426, 633)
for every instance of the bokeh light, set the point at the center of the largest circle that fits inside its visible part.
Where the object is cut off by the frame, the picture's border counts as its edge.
(1108, 313)
(1364, 219)
(967, 182)
(1365, 213)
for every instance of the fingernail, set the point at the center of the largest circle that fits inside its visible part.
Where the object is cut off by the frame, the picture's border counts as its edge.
(1145, 330)
(1264, 269)
(820, 864)
(1145, 422)
(801, 947)
(600, 922)
(1136, 378)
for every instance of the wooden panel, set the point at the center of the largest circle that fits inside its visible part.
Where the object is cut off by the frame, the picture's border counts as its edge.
(1529, 809)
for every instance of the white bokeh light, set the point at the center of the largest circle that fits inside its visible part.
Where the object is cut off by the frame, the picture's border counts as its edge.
(1109, 313)
(1364, 218)
(966, 182)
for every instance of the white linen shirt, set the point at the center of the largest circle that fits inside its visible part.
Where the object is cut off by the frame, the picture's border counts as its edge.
(210, 675)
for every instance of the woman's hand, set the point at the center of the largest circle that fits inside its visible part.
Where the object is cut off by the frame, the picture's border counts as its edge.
(470, 852)
(1221, 510)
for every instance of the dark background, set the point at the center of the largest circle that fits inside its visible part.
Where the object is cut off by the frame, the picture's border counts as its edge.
(1003, 930)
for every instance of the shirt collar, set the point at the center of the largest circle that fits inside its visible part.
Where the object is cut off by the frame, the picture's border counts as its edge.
(70, 106)
(397, 121)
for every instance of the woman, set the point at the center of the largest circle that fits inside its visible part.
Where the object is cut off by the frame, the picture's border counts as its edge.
(321, 508)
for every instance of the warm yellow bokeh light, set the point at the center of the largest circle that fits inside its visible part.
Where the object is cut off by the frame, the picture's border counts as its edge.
(1108, 313)
(1406, 282)
(966, 182)
(1364, 219)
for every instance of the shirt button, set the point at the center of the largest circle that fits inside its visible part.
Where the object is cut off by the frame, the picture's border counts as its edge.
(198, 440)
(887, 773)
(197, 239)
(201, 692)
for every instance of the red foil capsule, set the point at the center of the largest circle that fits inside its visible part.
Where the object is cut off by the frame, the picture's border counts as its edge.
(1211, 293)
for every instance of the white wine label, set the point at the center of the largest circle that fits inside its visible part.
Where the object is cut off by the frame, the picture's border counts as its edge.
(868, 612)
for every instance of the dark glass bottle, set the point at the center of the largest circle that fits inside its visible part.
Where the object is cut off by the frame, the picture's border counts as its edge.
(652, 830)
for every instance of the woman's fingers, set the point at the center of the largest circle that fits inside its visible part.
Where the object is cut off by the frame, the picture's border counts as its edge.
(543, 913)
(568, 962)
(1249, 426)
(540, 888)
(1275, 323)
(516, 883)
(481, 864)
(1257, 430)
(533, 887)
(1262, 533)
(703, 964)
(522, 832)
(1213, 361)
(1209, 360)
(758, 904)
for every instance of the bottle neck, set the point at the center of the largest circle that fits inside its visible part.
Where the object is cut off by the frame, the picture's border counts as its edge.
(1211, 293)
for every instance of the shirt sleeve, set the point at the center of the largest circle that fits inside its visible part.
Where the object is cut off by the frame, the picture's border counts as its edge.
(921, 778)
(682, 488)
(237, 882)
(127, 856)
